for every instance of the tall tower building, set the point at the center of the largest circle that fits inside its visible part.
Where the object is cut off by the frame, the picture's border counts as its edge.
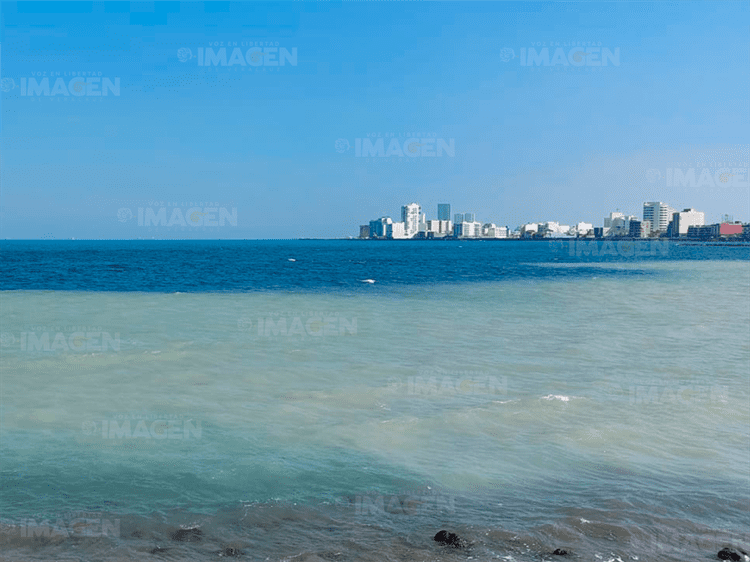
(469, 217)
(444, 212)
(659, 214)
(458, 218)
(410, 216)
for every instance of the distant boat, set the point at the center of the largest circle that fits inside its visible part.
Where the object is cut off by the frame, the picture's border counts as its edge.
(368, 280)
(292, 259)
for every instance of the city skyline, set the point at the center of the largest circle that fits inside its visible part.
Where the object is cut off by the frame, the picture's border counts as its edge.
(314, 117)
(657, 219)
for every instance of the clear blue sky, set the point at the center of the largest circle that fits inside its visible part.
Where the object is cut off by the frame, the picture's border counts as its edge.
(559, 142)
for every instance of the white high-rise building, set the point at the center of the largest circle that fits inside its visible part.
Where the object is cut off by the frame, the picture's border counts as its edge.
(660, 215)
(411, 215)
(438, 228)
(619, 224)
(685, 219)
(468, 229)
(396, 230)
(491, 230)
(379, 227)
(608, 220)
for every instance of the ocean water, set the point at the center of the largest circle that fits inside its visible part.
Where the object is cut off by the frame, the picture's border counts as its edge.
(200, 400)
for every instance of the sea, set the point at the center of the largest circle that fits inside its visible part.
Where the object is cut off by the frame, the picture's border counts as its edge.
(346, 400)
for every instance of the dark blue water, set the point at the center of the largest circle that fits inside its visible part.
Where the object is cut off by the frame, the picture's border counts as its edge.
(321, 265)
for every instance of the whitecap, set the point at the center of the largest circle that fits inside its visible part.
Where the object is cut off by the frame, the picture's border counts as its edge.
(556, 397)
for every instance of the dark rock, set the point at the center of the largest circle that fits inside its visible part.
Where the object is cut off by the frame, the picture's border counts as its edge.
(158, 550)
(137, 534)
(449, 539)
(231, 551)
(192, 534)
(730, 554)
(560, 552)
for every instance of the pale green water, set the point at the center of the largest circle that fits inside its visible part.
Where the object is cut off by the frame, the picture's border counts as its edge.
(547, 395)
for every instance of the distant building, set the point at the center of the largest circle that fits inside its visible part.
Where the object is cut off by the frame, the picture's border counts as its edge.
(397, 230)
(467, 229)
(620, 224)
(458, 218)
(469, 217)
(608, 220)
(491, 230)
(639, 229)
(364, 231)
(730, 229)
(379, 227)
(685, 219)
(529, 230)
(660, 215)
(704, 232)
(553, 229)
(411, 217)
(583, 229)
(438, 228)
(444, 212)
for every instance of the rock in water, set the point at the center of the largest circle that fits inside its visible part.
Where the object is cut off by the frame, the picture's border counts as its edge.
(560, 552)
(730, 554)
(448, 539)
(231, 551)
(192, 534)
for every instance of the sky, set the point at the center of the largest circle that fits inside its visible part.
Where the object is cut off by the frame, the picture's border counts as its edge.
(516, 111)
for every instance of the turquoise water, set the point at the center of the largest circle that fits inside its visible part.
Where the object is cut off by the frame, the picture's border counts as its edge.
(606, 413)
